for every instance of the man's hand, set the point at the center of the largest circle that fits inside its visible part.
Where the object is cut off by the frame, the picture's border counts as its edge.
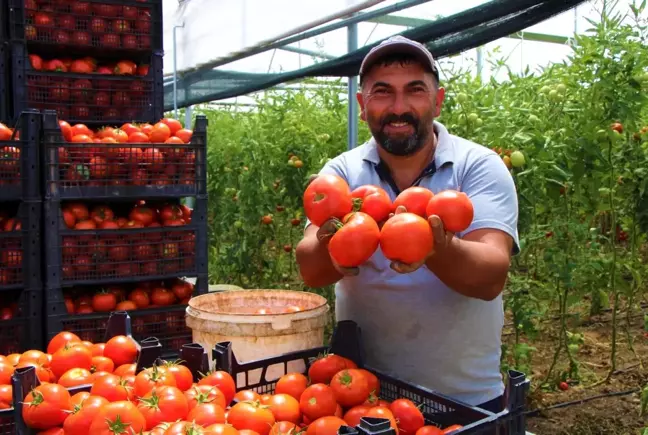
(442, 239)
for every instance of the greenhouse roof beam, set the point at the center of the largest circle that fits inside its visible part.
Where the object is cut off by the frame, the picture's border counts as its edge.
(308, 52)
(410, 22)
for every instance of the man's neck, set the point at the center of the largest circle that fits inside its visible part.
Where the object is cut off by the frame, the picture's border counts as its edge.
(406, 169)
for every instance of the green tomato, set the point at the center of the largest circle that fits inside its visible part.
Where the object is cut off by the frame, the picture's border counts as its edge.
(561, 88)
(533, 119)
(517, 159)
(544, 89)
(291, 162)
(238, 224)
(479, 122)
(462, 98)
(473, 117)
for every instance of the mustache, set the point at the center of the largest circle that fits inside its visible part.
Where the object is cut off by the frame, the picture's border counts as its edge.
(405, 117)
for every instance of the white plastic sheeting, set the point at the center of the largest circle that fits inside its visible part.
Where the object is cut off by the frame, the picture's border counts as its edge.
(214, 29)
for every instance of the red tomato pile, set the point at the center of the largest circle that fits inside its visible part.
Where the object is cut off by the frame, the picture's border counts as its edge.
(151, 294)
(165, 161)
(127, 254)
(89, 24)
(88, 65)
(366, 223)
(9, 157)
(10, 249)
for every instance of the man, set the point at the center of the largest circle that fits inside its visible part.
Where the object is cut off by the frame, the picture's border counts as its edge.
(437, 324)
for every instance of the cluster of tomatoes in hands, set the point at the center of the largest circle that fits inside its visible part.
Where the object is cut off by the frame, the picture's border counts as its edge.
(366, 218)
(336, 393)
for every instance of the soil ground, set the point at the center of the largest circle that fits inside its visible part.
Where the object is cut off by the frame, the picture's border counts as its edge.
(609, 415)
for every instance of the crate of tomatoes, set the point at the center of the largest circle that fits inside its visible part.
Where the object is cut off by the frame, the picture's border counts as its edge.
(86, 88)
(327, 388)
(156, 309)
(74, 366)
(21, 315)
(132, 160)
(63, 27)
(94, 242)
(20, 245)
(19, 158)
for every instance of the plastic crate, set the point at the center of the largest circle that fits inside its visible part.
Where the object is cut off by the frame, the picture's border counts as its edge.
(20, 246)
(88, 98)
(115, 27)
(84, 257)
(166, 323)
(439, 410)
(6, 110)
(19, 159)
(23, 331)
(124, 170)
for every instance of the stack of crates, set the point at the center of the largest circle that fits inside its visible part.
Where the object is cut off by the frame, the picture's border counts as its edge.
(92, 62)
(111, 214)
(21, 288)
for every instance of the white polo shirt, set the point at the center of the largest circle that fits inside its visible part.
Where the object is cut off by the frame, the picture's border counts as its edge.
(413, 325)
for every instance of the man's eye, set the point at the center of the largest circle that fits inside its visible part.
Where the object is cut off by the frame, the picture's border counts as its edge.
(380, 91)
(418, 89)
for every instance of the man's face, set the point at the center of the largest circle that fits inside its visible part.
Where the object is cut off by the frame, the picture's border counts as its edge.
(399, 101)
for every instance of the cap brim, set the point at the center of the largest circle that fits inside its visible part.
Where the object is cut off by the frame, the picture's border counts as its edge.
(396, 47)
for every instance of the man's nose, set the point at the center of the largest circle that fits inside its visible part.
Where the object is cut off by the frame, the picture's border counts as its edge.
(399, 103)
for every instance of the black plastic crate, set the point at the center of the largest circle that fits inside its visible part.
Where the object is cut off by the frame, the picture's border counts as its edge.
(118, 27)
(20, 246)
(439, 410)
(103, 256)
(6, 110)
(21, 321)
(166, 323)
(123, 170)
(45, 83)
(19, 159)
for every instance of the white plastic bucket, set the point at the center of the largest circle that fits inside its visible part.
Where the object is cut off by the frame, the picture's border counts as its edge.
(229, 316)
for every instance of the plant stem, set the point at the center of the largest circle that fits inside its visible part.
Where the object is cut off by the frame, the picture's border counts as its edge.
(613, 240)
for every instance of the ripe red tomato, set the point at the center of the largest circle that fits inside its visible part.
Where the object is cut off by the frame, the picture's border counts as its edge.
(618, 127)
(406, 237)
(152, 377)
(374, 201)
(252, 416)
(284, 407)
(318, 401)
(112, 387)
(293, 384)
(353, 415)
(121, 349)
(429, 430)
(124, 411)
(323, 369)
(182, 375)
(163, 404)
(205, 414)
(223, 381)
(409, 417)
(414, 199)
(328, 425)
(284, 428)
(50, 410)
(372, 380)
(104, 302)
(69, 357)
(350, 388)
(75, 377)
(357, 240)
(328, 196)
(454, 208)
(83, 413)
(198, 394)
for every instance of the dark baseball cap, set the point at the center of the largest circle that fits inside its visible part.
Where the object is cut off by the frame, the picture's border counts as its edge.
(399, 44)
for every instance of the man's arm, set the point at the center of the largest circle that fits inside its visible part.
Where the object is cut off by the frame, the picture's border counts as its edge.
(476, 263)
(314, 261)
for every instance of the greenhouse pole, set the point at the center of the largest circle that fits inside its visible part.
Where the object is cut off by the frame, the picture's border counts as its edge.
(175, 70)
(352, 45)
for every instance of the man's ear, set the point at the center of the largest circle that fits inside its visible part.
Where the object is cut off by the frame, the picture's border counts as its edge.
(360, 99)
(440, 97)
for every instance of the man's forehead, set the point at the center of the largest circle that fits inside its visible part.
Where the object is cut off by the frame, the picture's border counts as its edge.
(397, 74)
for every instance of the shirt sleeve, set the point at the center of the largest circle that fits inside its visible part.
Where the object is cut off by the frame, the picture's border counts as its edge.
(491, 188)
(334, 166)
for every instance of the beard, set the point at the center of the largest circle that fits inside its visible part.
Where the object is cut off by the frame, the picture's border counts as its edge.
(402, 144)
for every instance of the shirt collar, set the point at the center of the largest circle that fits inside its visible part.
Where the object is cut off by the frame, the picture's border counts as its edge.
(444, 152)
